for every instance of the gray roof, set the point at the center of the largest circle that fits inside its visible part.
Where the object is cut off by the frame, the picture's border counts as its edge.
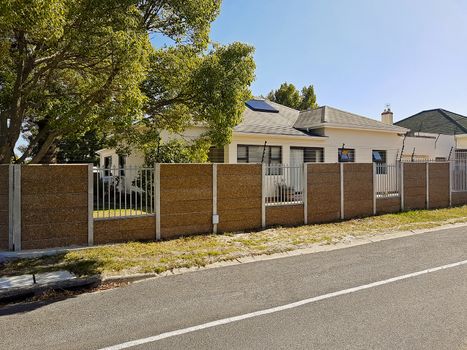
(326, 115)
(436, 121)
(281, 123)
(294, 123)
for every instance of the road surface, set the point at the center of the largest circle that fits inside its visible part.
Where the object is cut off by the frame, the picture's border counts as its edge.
(405, 293)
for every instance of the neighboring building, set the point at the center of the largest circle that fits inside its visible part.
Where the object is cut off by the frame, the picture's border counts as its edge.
(272, 133)
(435, 134)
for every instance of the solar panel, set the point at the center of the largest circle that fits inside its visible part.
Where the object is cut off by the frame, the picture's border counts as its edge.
(261, 106)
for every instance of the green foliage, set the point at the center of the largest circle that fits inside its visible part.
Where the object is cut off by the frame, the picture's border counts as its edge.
(69, 66)
(178, 151)
(187, 88)
(81, 148)
(288, 95)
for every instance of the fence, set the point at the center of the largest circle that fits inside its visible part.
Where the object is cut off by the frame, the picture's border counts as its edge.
(387, 180)
(459, 175)
(46, 206)
(283, 184)
(123, 192)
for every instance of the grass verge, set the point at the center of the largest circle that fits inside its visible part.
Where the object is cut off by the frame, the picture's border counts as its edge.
(202, 250)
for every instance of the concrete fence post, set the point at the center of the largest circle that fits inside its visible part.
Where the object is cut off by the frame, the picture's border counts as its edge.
(11, 192)
(90, 204)
(342, 190)
(374, 189)
(157, 199)
(305, 193)
(402, 192)
(427, 169)
(215, 215)
(16, 208)
(263, 196)
(450, 183)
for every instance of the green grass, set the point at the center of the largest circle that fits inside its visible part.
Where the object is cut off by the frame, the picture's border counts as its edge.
(202, 250)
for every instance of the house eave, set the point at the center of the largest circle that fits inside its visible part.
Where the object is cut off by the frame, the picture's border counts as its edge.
(338, 126)
(280, 136)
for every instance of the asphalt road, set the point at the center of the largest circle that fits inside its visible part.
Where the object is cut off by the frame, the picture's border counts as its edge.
(426, 311)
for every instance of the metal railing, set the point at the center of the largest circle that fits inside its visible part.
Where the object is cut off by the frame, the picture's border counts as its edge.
(387, 180)
(283, 184)
(459, 175)
(123, 192)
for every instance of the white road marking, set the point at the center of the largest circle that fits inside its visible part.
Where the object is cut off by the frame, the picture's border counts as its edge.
(223, 321)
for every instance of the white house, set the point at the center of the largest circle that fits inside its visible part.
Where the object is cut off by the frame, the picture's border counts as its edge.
(273, 134)
(435, 134)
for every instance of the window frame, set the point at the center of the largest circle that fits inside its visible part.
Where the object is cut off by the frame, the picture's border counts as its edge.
(339, 155)
(269, 159)
(384, 156)
(312, 149)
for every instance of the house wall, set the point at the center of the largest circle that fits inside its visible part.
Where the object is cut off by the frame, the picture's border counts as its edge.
(136, 157)
(286, 142)
(4, 206)
(461, 141)
(364, 142)
(429, 146)
(54, 206)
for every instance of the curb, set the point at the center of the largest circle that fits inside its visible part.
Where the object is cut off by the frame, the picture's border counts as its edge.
(15, 294)
(317, 248)
(22, 293)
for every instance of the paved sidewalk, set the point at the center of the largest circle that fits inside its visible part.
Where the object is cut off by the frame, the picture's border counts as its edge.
(24, 281)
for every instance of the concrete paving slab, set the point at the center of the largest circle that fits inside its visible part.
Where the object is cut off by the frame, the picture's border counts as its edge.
(41, 279)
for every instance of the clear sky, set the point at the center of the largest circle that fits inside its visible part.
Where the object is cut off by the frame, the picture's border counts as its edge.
(359, 54)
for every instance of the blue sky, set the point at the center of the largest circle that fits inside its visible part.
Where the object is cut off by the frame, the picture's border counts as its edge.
(359, 54)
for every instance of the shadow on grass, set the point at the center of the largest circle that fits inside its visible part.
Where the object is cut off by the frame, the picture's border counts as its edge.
(78, 266)
(31, 301)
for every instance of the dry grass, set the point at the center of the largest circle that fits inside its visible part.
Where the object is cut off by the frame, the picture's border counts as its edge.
(206, 249)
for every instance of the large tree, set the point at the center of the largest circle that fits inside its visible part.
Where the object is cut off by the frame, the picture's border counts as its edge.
(67, 66)
(288, 95)
(186, 88)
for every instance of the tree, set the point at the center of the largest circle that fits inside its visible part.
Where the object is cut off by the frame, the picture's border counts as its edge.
(308, 98)
(80, 149)
(186, 87)
(288, 95)
(69, 65)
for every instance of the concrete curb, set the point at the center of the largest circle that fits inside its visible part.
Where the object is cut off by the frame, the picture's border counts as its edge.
(318, 248)
(15, 294)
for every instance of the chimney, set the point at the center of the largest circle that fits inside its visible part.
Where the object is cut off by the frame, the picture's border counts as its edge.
(387, 117)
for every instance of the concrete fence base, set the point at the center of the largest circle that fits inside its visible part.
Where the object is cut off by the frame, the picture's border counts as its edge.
(49, 206)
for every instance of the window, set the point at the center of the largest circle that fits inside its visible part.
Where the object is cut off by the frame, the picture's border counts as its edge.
(107, 165)
(311, 154)
(379, 157)
(346, 155)
(260, 154)
(216, 155)
(122, 165)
